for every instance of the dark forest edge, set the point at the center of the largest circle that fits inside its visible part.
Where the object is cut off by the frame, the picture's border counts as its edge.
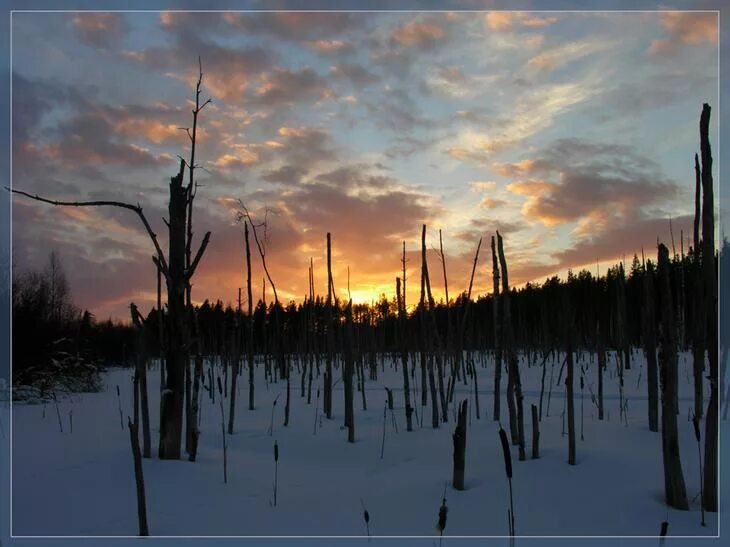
(53, 338)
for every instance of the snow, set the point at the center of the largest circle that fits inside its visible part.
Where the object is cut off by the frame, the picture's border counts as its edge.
(81, 483)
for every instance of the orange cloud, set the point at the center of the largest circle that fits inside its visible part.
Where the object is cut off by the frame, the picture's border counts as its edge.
(154, 131)
(327, 46)
(510, 169)
(501, 20)
(415, 33)
(491, 203)
(98, 29)
(686, 28)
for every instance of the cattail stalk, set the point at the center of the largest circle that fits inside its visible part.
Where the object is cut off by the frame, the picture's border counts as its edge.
(276, 470)
(382, 444)
(119, 400)
(508, 471)
(223, 431)
(366, 516)
(58, 413)
(696, 424)
(316, 412)
(271, 424)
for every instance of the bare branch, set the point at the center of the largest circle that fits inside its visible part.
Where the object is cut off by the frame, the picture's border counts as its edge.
(198, 256)
(103, 203)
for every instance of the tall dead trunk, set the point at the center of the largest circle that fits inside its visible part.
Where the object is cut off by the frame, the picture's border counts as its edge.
(249, 322)
(177, 328)
(138, 479)
(601, 350)
(348, 374)
(709, 494)
(513, 372)
(497, 333)
(330, 334)
(698, 304)
(569, 395)
(649, 326)
(675, 493)
(140, 374)
(404, 355)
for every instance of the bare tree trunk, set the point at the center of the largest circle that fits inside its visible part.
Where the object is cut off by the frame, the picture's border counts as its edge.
(330, 337)
(195, 406)
(674, 488)
(709, 494)
(139, 480)
(249, 322)
(649, 322)
(404, 355)
(570, 402)
(698, 306)
(459, 438)
(348, 373)
(601, 367)
(535, 434)
(514, 386)
(497, 333)
(177, 328)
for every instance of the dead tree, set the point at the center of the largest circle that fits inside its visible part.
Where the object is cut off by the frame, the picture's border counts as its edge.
(463, 320)
(249, 322)
(535, 434)
(514, 395)
(601, 350)
(709, 496)
(674, 489)
(330, 333)
(698, 307)
(138, 479)
(140, 374)
(459, 438)
(348, 372)
(192, 189)
(404, 354)
(261, 242)
(649, 336)
(497, 332)
(177, 277)
(569, 384)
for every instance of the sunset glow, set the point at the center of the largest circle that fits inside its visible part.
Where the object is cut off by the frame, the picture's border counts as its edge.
(573, 134)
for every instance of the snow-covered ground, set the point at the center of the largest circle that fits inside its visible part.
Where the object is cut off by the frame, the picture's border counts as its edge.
(82, 482)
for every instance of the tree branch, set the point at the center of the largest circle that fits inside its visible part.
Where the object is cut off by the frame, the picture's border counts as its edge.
(103, 203)
(198, 256)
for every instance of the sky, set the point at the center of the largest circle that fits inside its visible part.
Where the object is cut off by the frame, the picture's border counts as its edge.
(573, 134)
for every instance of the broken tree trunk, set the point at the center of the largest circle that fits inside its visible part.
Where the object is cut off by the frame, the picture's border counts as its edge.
(348, 373)
(570, 402)
(249, 322)
(675, 493)
(330, 334)
(497, 333)
(649, 329)
(140, 375)
(709, 494)
(138, 479)
(535, 434)
(514, 398)
(404, 355)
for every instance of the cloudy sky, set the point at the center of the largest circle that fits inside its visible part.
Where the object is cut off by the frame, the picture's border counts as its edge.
(571, 133)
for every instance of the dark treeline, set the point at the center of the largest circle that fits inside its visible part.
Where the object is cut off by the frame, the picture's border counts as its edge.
(613, 300)
(54, 344)
(45, 319)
